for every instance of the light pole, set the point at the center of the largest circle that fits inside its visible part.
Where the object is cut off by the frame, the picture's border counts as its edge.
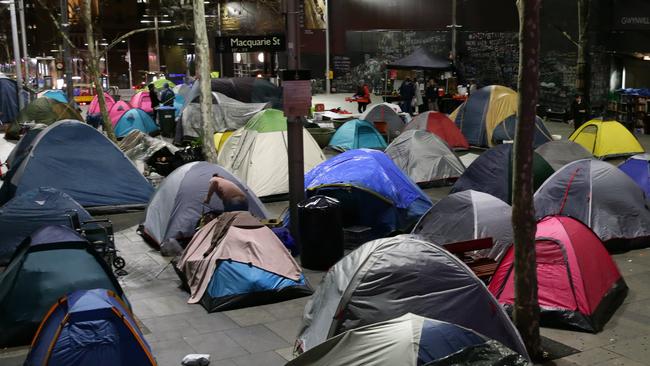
(67, 54)
(327, 47)
(14, 35)
(21, 12)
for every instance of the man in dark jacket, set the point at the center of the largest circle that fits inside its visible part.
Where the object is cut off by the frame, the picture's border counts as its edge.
(579, 112)
(167, 96)
(155, 102)
(407, 92)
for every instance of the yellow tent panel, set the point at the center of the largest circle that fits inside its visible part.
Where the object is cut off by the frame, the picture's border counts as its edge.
(606, 139)
(220, 138)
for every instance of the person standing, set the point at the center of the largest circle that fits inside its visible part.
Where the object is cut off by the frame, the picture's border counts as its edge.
(155, 102)
(167, 96)
(233, 198)
(579, 111)
(407, 92)
(431, 95)
(362, 97)
(418, 87)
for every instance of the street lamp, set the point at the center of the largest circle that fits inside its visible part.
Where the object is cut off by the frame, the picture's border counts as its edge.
(14, 36)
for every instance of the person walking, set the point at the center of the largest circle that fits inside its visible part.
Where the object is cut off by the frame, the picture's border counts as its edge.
(419, 89)
(167, 96)
(155, 102)
(431, 95)
(233, 198)
(579, 111)
(362, 97)
(407, 92)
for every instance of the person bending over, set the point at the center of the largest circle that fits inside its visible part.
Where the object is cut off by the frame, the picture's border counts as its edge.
(234, 199)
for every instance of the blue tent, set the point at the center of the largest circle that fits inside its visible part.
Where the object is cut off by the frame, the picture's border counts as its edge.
(638, 168)
(75, 158)
(57, 95)
(179, 102)
(32, 210)
(357, 134)
(373, 191)
(89, 327)
(54, 261)
(135, 119)
(8, 100)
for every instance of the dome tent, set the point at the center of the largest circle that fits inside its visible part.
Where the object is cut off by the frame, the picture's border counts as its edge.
(387, 278)
(54, 261)
(606, 139)
(177, 205)
(88, 167)
(141, 100)
(135, 119)
(235, 261)
(579, 285)
(89, 327)
(42, 110)
(440, 125)
(257, 153)
(408, 340)
(485, 113)
(468, 215)
(32, 210)
(357, 134)
(385, 113)
(425, 158)
(560, 153)
(638, 168)
(601, 196)
(55, 94)
(94, 113)
(372, 190)
(117, 111)
(491, 173)
(244, 89)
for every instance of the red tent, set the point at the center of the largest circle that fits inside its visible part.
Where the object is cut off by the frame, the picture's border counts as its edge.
(580, 286)
(439, 124)
(94, 104)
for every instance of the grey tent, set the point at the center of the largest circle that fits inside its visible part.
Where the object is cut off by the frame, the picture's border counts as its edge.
(229, 114)
(425, 158)
(560, 153)
(177, 205)
(409, 340)
(421, 59)
(468, 215)
(140, 148)
(387, 278)
(243, 89)
(601, 196)
(384, 113)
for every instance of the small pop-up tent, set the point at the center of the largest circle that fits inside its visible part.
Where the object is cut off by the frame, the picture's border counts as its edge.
(357, 134)
(409, 340)
(76, 159)
(89, 327)
(372, 190)
(236, 261)
(54, 261)
(257, 153)
(32, 210)
(135, 119)
(606, 139)
(638, 168)
(8, 100)
(117, 111)
(94, 113)
(468, 215)
(177, 205)
(480, 117)
(57, 95)
(491, 173)
(44, 111)
(443, 127)
(141, 100)
(23, 146)
(387, 278)
(579, 285)
(384, 114)
(603, 197)
(560, 153)
(425, 158)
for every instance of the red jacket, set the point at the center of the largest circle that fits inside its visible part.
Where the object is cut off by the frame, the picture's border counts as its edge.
(365, 98)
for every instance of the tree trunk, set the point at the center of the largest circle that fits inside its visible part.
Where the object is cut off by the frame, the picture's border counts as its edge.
(203, 72)
(526, 309)
(583, 76)
(93, 67)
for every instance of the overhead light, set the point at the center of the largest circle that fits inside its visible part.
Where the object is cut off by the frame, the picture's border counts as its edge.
(76, 78)
(238, 57)
(164, 21)
(260, 57)
(146, 21)
(646, 58)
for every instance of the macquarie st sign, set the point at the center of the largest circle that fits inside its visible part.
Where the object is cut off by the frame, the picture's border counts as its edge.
(265, 43)
(632, 14)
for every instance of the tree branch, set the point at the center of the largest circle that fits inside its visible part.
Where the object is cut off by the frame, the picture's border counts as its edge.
(65, 37)
(135, 31)
(565, 34)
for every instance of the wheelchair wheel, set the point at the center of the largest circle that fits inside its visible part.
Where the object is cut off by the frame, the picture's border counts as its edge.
(118, 262)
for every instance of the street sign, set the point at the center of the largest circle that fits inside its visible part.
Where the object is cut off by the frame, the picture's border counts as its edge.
(296, 97)
(265, 43)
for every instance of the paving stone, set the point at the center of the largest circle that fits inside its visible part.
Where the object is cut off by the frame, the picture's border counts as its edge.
(250, 316)
(269, 358)
(287, 309)
(218, 344)
(286, 353)
(636, 349)
(170, 352)
(257, 338)
(169, 328)
(622, 361)
(592, 356)
(209, 323)
(167, 305)
(286, 328)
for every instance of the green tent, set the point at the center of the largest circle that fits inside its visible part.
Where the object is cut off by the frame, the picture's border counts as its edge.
(158, 84)
(54, 261)
(42, 110)
(268, 120)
